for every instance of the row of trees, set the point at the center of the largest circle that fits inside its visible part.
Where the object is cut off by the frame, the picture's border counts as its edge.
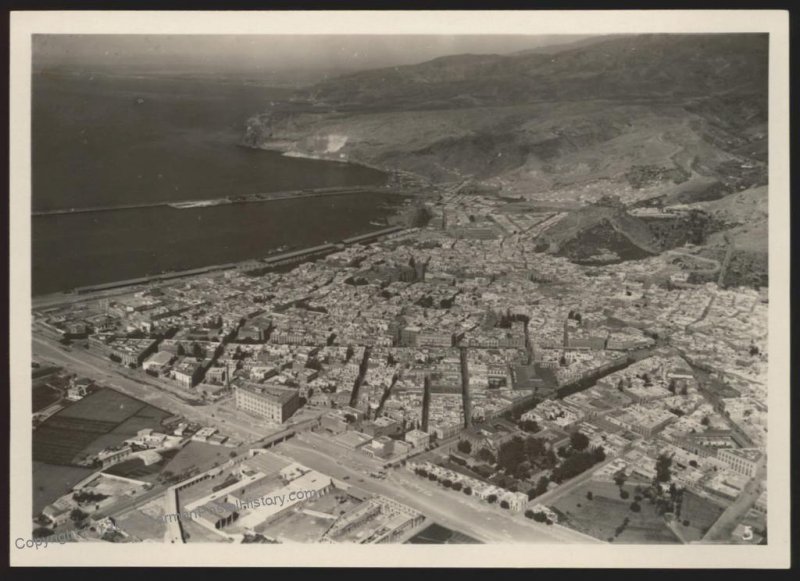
(538, 516)
(446, 482)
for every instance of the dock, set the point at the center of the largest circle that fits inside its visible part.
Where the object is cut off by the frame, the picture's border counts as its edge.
(257, 198)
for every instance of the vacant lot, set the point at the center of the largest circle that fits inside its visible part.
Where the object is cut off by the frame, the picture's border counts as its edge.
(197, 455)
(144, 522)
(700, 513)
(601, 516)
(296, 526)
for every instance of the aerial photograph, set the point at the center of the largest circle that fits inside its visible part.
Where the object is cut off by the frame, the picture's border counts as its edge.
(413, 289)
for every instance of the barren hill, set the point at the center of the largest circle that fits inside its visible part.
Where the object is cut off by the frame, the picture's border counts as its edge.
(635, 116)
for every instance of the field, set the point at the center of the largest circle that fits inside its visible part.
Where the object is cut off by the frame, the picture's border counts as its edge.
(43, 396)
(51, 482)
(106, 405)
(601, 516)
(101, 419)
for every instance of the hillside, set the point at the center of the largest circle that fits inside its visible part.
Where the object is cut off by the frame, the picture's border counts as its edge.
(640, 117)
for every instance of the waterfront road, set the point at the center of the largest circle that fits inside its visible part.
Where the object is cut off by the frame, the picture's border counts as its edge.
(486, 523)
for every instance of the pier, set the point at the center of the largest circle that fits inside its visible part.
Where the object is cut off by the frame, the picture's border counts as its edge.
(233, 199)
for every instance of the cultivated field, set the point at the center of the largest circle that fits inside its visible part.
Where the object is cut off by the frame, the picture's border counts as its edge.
(104, 418)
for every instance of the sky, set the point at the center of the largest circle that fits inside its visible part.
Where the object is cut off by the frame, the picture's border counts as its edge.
(286, 55)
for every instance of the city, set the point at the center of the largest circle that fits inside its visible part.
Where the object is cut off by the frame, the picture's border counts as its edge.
(440, 381)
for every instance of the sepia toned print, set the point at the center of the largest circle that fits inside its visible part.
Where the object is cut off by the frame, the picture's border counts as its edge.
(439, 291)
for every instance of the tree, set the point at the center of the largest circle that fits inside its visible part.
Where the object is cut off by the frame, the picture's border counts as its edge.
(705, 421)
(671, 386)
(468, 490)
(529, 513)
(541, 485)
(534, 449)
(504, 504)
(578, 441)
(599, 454)
(624, 494)
(486, 455)
(457, 486)
(41, 532)
(663, 464)
(539, 516)
(636, 507)
(589, 495)
(77, 515)
(529, 426)
(464, 446)
(491, 499)
(511, 454)
(620, 477)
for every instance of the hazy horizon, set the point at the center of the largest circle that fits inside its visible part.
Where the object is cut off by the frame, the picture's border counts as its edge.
(287, 57)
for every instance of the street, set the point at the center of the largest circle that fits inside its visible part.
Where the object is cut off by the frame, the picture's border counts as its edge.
(457, 511)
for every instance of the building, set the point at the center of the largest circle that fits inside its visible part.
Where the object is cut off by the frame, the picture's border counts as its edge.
(382, 426)
(271, 402)
(382, 447)
(334, 421)
(435, 338)
(418, 439)
(109, 457)
(744, 461)
(58, 512)
(79, 388)
(188, 372)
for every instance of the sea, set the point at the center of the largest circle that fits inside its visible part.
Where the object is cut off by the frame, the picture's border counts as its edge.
(114, 140)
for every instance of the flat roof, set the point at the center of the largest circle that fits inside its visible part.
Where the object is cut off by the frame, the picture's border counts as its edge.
(270, 392)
